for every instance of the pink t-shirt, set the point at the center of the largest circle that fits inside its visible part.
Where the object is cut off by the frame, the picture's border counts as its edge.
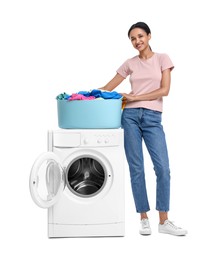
(145, 76)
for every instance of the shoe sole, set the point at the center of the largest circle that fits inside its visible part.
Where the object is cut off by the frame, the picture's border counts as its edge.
(144, 234)
(174, 234)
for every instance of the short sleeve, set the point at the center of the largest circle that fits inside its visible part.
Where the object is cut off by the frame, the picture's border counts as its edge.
(124, 69)
(166, 62)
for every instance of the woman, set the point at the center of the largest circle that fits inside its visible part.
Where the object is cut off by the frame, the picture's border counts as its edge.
(141, 119)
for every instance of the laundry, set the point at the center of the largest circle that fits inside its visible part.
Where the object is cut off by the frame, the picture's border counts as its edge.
(89, 95)
(103, 94)
(63, 96)
(80, 97)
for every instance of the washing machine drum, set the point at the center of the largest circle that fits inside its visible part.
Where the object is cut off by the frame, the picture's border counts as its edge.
(86, 177)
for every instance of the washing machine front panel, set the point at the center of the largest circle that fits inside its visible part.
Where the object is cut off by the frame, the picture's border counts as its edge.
(46, 180)
(86, 203)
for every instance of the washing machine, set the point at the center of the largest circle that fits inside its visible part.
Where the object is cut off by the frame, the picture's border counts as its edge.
(80, 180)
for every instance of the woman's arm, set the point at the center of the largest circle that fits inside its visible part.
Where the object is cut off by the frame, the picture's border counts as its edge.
(112, 84)
(158, 93)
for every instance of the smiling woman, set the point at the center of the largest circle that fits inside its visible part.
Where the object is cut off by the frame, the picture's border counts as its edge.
(150, 79)
(142, 35)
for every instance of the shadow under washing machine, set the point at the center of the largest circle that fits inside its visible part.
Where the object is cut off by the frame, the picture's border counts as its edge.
(81, 182)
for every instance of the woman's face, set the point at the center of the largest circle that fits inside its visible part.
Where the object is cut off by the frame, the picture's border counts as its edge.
(139, 39)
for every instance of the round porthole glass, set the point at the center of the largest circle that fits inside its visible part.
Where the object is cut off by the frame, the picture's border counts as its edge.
(86, 177)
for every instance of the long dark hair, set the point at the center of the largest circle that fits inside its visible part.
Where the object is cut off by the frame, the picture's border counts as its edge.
(140, 25)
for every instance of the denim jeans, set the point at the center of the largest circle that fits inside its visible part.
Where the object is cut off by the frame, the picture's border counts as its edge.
(144, 124)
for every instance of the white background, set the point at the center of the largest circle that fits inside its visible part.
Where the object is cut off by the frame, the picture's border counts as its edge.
(48, 47)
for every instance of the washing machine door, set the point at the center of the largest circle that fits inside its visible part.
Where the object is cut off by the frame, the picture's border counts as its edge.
(46, 180)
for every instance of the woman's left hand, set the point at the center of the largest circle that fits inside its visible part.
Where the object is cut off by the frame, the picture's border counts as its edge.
(128, 97)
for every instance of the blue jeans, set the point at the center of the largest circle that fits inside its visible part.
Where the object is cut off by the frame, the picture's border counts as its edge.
(144, 124)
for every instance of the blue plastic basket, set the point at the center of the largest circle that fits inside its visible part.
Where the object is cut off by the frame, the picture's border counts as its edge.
(80, 114)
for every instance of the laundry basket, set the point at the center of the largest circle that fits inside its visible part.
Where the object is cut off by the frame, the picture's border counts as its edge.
(98, 113)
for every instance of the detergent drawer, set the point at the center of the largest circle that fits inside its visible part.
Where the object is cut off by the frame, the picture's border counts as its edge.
(84, 114)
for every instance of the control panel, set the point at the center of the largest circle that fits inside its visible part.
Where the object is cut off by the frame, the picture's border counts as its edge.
(87, 138)
(100, 139)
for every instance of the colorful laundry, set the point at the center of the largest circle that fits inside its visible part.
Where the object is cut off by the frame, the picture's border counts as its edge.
(89, 95)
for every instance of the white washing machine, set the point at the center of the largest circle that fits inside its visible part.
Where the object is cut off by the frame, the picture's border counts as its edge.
(81, 182)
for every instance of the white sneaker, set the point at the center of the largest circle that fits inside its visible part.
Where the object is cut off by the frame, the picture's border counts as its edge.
(169, 228)
(145, 227)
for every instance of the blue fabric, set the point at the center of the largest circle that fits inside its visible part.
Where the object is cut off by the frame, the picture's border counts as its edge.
(145, 124)
(103, 94)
